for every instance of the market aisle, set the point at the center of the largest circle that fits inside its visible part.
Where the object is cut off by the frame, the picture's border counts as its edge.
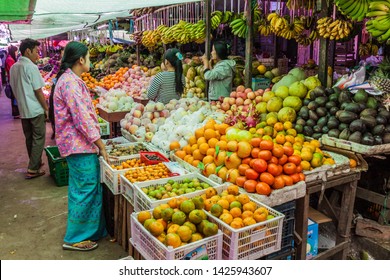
(33, 212)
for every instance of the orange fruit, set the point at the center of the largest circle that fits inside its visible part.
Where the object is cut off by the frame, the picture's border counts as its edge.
(246, 214)
(203, 148)
(210, 152)
(143, 216)
(236, 212)
(174, 145)
(201, 140)
(243, 198)
(192, 140)
(180, 154)
(233, 190)
(222, 145)
(199, 132)
(208, 159)
(250, 206)
(212, 142)
(209, 133)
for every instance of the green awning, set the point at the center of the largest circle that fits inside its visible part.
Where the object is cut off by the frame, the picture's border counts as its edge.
(16, 10)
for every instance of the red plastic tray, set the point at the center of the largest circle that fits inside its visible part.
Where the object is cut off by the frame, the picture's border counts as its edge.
(150, 162)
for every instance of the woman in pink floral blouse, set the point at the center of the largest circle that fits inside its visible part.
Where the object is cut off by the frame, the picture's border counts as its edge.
(78, 139)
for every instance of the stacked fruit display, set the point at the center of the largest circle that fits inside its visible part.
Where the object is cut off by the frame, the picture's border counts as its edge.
(179, 222)
(172, 188)
(116, 100)
(234, 209)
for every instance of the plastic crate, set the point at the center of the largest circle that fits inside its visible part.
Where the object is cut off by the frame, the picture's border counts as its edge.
(110, 176)
(260, 83)
(58, 166)
(145, 159)
(104, 127)
(152, 249)
(135, 195)
(283, 254)
(288, 210)
(251, 242)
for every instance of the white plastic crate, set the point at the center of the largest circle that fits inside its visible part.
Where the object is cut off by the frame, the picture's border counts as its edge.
(142, 202)
(152, 249)
(110, 176)
(104, 127)
(251, 242)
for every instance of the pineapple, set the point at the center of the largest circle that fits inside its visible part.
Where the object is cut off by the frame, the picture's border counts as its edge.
(381, 77)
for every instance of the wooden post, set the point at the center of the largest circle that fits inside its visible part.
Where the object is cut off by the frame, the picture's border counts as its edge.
(208, 38)
(249, 44)
(324, 46)
(138, 55)
(331, 56)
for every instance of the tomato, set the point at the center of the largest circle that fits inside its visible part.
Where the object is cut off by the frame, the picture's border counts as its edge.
(263, 188)
(278, 151)
(246, 160)
(242, 168)
(283, 160)
(288, 151)
(302, 176)
(279, 183)
(266, 145)
(295, 159)
(288, 181)
(259, 165)
(273, 169)
(250, 186)
(267, 178)
(265, 154)
(251, 174)
(255, 152)
(289, 168)
(274, 160)
(295, 177)
(255, 142)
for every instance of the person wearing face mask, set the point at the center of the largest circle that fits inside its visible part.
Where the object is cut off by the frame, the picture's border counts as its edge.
(26, 83)
(78, 139)
(221, 74)
(169, 84)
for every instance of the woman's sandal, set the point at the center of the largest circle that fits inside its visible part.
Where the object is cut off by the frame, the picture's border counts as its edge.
(81, 246)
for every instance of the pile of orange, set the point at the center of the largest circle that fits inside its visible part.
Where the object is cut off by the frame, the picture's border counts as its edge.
(109, 81)
(90, 81)
(95, 102)
(130, 163)
(146, 173)
(233, 208)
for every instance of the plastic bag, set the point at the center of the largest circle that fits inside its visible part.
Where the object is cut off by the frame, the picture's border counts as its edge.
(8, 91)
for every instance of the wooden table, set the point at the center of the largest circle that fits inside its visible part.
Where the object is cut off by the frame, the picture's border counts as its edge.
(113, 118)
(347, 185)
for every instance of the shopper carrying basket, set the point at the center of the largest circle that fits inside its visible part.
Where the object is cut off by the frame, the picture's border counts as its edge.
(78, 139)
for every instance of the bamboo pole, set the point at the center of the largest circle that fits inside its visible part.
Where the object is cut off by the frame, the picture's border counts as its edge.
(208, 36)
(324, 47)
(249, 44)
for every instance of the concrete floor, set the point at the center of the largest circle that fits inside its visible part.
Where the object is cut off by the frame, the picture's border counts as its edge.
(33, 212)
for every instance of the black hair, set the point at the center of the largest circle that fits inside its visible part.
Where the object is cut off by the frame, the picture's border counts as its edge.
(222, 49)
(11, 51)
(28, 44)
(73, 52)
(172, 55)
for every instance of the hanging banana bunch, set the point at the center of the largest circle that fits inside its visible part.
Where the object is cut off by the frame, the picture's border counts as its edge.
(337, 29)
(379, 24)
(264, 27)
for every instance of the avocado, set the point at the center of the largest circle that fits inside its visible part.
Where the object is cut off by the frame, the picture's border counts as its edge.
(378, 129)
(313, 116)
(317, 135)
(334, 97)
(333, 122)
(322, 121)
(310, 122)
(360, 96)
(369, 121)
(318, 91)
(386, 138)
(304, 113)
(312, 105)
(343, 126)
(301, 122)
(368, 139)
(355, 137)
(329, 91)
(325, 130)
(344, 105)
(321, 112)
(334, 133)
(378, 140)
(306, 101)
(337, 90)
(299, 128)
(321, 101)
(345, 134)
(317, 128)
(330, 104)
(357, 125)
(384, 113)
(387, 129)
(372, 102)
(380, 120)
(333, 111)
(346, 116)
(362, 106)
(352, 107)
(345, 96)
(308, 131)
(369, 112)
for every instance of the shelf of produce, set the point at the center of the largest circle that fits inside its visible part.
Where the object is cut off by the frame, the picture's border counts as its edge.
(347, 185)
(355, 147)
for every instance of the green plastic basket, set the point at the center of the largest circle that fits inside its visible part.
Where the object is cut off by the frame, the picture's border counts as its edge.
(58, 166)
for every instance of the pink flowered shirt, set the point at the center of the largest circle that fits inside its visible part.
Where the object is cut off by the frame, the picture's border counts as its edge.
(76, 122)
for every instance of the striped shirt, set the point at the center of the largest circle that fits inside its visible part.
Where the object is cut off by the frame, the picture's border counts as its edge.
(163, 87)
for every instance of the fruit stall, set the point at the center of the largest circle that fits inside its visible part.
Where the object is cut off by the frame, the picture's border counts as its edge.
(262, 172)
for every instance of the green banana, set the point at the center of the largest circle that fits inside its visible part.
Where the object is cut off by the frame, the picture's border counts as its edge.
(384, 36)
(380, 6)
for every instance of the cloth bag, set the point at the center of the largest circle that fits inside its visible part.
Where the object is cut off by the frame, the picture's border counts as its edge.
(8, 91)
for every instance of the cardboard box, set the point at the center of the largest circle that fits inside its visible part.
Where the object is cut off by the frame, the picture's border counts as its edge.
(312, 240)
